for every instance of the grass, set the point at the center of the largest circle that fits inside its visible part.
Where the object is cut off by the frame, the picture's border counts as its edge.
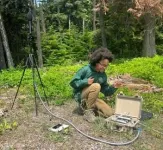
(59, 136)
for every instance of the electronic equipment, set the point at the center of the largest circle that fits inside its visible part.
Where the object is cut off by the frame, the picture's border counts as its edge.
(127, 111)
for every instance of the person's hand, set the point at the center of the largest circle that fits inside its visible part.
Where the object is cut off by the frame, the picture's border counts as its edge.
(90, 80)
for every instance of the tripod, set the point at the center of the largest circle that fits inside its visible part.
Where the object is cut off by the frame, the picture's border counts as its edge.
(31, 61)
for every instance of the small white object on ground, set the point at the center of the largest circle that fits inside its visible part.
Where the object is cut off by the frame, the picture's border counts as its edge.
(58, 127)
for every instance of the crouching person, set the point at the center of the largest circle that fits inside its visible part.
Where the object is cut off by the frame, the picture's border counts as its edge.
(90, 80)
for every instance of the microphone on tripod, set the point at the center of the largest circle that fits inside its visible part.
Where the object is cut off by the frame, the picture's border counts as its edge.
(30, 19)
(30, 15)
(30, 12)
(31, 60)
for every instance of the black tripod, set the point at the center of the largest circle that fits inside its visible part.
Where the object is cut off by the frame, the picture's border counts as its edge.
(31, 62)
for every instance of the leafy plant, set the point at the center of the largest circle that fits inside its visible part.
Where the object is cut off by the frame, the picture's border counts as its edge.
(56, 80)
(5, 125)
(61, 136)
(149, 69)
(153, 102)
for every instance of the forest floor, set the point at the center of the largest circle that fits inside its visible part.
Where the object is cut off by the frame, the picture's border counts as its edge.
(32, 131)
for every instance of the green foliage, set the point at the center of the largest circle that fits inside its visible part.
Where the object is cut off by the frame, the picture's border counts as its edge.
(11, 78)
(159, 49)
(150, 69)
(56, 80)
(124, 34)
(70, 45)
(159, 38)
(59, 136)
(14, 14)
(5, 125)
(59, 13)
(153, 102)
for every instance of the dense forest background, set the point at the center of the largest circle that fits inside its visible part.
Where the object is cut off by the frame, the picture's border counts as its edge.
(66, 31)
(62, 34)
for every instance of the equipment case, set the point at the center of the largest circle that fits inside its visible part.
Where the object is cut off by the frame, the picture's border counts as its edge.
(127, 111)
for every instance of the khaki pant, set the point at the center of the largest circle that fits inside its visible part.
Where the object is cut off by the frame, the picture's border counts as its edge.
(90, 95)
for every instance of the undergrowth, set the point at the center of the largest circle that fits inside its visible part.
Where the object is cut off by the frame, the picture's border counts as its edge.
(7, 125)
(56, 80)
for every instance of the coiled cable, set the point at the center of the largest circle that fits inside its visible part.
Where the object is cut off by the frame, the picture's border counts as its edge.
(88, 136)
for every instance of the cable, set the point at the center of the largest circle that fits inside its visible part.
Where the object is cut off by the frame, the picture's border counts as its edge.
(90, 137)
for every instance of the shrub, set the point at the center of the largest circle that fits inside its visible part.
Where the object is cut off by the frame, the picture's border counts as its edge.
(150, 69)
(70, 45)
(56, 79)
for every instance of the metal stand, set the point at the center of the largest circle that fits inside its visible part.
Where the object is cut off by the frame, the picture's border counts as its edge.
(31, 62)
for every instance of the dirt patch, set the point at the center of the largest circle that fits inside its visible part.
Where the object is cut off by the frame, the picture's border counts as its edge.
(140, 85)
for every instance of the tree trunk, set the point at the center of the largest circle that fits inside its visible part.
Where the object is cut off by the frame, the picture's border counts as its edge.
(39, 50)
(36, 30)
(5, 44)
(102, 27)
(149, 45)
(94, 16)
(2, 58)
(42, 19)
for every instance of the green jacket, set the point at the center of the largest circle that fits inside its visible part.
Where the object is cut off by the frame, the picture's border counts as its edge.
(80, 81)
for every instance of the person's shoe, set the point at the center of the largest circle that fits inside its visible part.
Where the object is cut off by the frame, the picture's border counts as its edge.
(83, 104)
(89, 115)
(78, 110)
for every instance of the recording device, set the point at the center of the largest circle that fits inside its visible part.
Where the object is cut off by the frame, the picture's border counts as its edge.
(31, 61)
(30, 19)
(58, 127)
(123, 119)
(127, 111)
(30, 15)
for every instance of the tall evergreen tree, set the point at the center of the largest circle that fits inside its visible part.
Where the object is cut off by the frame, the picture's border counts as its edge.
(148, 10)
(5, 44)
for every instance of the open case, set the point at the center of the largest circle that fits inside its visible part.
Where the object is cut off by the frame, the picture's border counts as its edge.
(127, 111)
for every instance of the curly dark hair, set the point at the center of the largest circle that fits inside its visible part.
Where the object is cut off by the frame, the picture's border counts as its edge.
(100, 54)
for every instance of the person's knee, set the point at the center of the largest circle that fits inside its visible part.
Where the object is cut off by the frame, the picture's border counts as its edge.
(96, 86)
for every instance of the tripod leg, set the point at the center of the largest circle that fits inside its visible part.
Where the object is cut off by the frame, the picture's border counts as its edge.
(41, 81)
(34, 88)
(20, 82)
(34, 84)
